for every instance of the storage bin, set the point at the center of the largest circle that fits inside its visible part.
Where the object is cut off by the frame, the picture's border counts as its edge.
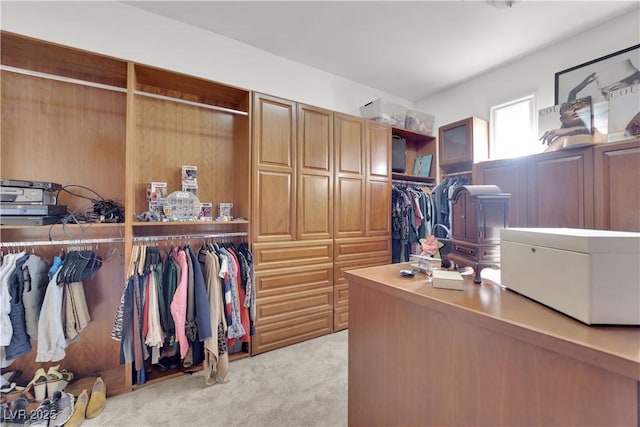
(384, 112)
(590, 275)
(419, 121)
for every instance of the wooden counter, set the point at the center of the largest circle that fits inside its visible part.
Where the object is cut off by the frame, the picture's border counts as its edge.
(420, 356)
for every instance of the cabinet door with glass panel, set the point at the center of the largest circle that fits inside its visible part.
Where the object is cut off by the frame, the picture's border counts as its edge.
(463, 142)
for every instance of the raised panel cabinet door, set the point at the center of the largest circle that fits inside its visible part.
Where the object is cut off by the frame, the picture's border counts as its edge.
(274, 170)
(274, 132)
(617, 194)
(274, 209)
(379, 137)
(349, 191)
(378, 196)
(560, 189)
(459, 210)
(379, 212)
(315, 173)
(510, 176)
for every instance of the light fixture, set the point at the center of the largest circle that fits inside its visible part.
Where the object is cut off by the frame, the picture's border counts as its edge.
(500, 4)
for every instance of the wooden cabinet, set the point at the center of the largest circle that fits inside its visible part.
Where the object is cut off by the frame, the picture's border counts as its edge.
(108, 126)
(560, 189)
(617, 193)
(478, 214)
(417, 144)
(350, 176)
(315, 173)
(340, 182)
(463, 143)
(510, 176)
(293, 221)
(363, 200)
(274, 182)
(439, 356)
(586, 187)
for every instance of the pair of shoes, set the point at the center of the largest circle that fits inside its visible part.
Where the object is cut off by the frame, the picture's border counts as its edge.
(169, 362)
(79, 413)
(38, 385)
(54, 412)
(15, 412)
(57, 380)
(98, 399)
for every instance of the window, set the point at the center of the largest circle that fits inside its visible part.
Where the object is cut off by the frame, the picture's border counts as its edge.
(513, 129)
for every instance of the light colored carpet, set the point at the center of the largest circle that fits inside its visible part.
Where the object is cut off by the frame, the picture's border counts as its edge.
(303, 384)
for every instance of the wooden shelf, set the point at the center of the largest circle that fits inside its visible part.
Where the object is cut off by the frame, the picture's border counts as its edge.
(182, 223)
(415, 178)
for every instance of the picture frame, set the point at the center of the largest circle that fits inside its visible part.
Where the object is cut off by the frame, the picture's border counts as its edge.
(422, 166)
(597, 76)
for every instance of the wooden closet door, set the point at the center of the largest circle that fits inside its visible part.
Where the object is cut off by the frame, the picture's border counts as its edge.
(511, 177)
(274, 181)
(350, 155)
(378, 196)
(315, 173)
(616, 177)
(560, 189)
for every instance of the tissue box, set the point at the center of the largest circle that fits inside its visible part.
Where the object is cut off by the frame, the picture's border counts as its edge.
(384, 111)
(590, 275)
(419, 121)
(448, 280)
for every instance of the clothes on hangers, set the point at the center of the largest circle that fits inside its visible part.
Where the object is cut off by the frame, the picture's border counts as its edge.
(442, 205)
(411, 219)
(174, 316)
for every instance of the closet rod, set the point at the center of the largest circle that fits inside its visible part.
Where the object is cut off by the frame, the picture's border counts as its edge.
(61, 79)
(415, 183)
(447, 175)
(195, 104)
(77, 242)
(190, 236)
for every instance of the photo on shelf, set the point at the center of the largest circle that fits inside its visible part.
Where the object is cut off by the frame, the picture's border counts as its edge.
(422, 166)
(624, 114)
(559, 122)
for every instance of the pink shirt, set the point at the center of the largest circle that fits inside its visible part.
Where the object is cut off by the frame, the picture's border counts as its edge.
(179, 302)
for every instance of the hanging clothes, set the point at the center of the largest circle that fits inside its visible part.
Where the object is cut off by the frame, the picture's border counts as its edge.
(34, 272)
(174, 311)
(412, 219)
(216, 357)
(442, 205)
(51, 341)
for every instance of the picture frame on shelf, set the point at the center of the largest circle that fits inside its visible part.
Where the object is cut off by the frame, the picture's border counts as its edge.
(422, 166)
(597, 77)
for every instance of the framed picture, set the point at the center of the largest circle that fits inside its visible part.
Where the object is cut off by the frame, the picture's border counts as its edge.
(598, 77)
(422, 167)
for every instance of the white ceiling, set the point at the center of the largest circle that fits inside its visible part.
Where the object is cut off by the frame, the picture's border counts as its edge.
(410, 49)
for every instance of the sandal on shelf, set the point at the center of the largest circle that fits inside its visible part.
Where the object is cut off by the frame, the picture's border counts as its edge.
(11, 388)
(57, 380)
(38, 384)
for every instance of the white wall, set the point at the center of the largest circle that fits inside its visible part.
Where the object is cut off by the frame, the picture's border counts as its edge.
(122, 31)
(534, 74)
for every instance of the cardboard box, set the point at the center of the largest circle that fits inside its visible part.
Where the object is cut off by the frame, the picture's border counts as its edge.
(156, 191)
(446, 279)
(206, 210)
(590, 275)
